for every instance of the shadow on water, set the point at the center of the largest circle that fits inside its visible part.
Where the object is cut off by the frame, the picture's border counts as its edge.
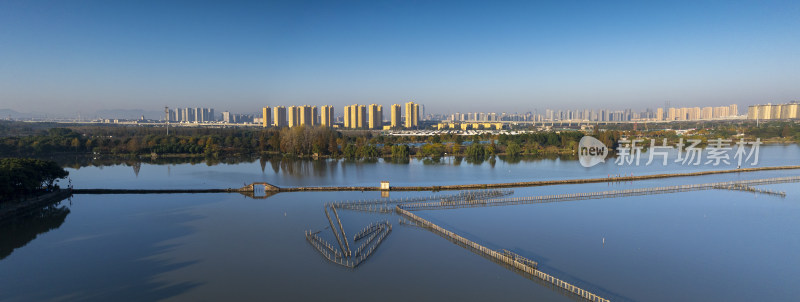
(18, 231)
(592, 287)
(141, 276)
(136, 289)
(91, 268)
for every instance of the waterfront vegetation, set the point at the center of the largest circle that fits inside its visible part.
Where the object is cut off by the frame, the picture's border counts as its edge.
(37, 139)
(21, 177)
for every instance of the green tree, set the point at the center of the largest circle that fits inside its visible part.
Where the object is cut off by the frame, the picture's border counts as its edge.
(476, 152)
(367, 151)
(349, 151)
(513, 149)
(400, 151)
(76, 143)
(20, 176)
(433, 150)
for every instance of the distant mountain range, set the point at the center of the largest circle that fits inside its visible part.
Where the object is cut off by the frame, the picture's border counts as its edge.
(128, 114)
(106, 114)
(6, 113)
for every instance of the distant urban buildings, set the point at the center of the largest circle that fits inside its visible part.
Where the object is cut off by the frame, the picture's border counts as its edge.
(293, 116)
(468, 126)
(774, 111)
(367, 117)
(409, 115)
(192, 115)
(600, 115)
(303, 115)
(233, 118)
(697, 113)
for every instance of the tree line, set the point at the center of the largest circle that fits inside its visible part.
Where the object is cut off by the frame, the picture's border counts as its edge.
(300, 141)
(26, 176)
(25, 140)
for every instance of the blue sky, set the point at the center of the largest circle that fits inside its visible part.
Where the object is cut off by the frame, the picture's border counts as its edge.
(73, 56)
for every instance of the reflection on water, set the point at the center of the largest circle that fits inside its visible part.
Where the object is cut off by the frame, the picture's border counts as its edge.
(324, 167)
(18, 231)
(105, 252)
(198, 173)
(292, 165)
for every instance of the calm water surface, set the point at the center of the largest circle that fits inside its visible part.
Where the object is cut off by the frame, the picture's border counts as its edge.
(693, 246)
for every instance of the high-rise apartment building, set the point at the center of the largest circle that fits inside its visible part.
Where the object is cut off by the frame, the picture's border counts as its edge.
(361, 115)
(355, 116)
(348, 116)
(279, 116)
(416, 115)
(326, 119)
(765, 112)
(266, 116)
(772, 112)
(790, 111)
(314, 115)
(396, 115)
(306, 115)
(193, 115)
(412, 115)
(202, 115)
(293, 113)
(707, 113)
(695, 113)
(375, 116)
(775, 112)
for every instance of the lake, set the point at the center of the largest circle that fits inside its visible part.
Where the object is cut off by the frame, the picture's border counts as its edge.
(690, 246)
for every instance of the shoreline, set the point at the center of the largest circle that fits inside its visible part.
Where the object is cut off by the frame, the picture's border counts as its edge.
(12, 209)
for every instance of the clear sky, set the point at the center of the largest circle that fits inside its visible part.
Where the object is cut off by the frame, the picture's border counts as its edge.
(71, 56)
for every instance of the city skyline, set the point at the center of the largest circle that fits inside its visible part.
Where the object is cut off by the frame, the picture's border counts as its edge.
(67, 58)
(372, 116)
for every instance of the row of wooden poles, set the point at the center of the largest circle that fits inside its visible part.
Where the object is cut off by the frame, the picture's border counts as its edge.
(362, 253)
(387, 205)
(592, 195)
(376, 232)
(369, 229)
(529, 266)
(344, 256)
(519, 258)
(751, 189)
(479, 193)
(503, 257)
